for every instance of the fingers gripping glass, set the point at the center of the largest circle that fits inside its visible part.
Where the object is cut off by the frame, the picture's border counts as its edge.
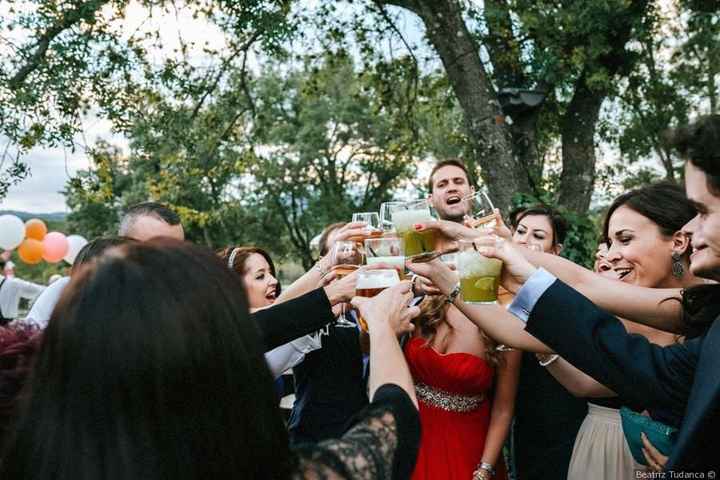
(479, 211)
(373, 229)
(346, 258)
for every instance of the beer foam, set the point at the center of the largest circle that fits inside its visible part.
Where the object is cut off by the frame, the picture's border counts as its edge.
(405, 219)
(394, 261)
(377, 279)
(472, 265)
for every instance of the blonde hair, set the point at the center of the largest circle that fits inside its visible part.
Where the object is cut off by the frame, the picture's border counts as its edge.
(433, 312)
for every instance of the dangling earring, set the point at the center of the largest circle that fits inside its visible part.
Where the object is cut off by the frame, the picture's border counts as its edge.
(678, 269)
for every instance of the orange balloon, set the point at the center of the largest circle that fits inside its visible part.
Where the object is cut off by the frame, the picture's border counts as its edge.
(35, 229)
(31, 251)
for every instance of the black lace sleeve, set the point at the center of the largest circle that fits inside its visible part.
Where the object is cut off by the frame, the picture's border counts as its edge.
(382, 444)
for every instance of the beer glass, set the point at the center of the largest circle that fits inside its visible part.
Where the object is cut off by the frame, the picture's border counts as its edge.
(404, 216)
(346, 258)
(373, 225)
(479, 211)
(372, 282)
(479, 275)
(387, 250)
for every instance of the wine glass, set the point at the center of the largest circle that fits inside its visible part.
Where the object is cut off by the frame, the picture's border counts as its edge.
(346, 258)
(386, 216)
(479, 211)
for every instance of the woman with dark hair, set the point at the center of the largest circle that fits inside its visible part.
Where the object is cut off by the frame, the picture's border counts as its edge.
(547, 416)
(647, 248)
(125, 396)
(262, 289)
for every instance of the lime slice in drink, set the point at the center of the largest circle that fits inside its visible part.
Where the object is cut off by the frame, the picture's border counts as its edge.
(486, 283)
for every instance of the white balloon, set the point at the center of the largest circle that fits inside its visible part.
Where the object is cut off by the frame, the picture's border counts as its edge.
(12, 232)
(75, 244)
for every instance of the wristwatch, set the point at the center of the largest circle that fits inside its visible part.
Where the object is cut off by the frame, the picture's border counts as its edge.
(454, 293)
(484, 471)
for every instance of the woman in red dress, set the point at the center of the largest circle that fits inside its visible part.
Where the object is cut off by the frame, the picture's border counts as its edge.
(466, 395)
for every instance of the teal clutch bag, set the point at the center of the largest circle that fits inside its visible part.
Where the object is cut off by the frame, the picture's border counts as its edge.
(660, 435)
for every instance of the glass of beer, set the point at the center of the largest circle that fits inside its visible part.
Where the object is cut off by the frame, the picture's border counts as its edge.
(387, 250)
(479, 275)
(373, 229)
(346, 258)
(480, 212)
(372, 282)
(405, 215)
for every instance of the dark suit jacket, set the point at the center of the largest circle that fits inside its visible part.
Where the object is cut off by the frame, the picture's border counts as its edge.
(683, 379)
(289, 320)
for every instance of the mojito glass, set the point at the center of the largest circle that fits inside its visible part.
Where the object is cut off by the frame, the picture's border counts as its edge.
(405, 216)
(479, 275)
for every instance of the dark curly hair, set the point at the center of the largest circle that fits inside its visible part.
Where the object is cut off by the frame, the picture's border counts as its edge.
(699, 143)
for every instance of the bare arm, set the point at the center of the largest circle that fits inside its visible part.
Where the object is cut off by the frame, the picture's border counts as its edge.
(494, 320)
(502, 326)
(577, 382)
(649, 306)
(503, 406)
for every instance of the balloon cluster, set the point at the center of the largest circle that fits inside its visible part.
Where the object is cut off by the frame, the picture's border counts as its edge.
(34, 243)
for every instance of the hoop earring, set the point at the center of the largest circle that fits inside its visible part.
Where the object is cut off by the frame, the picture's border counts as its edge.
(678, 269)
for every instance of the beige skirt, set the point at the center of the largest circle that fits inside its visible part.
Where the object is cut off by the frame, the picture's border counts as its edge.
(600, 451)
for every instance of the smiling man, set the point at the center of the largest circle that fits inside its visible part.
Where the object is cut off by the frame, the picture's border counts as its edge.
(449, 183)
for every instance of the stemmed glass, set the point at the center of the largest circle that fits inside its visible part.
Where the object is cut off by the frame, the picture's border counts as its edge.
(386, 216)
(346, 258)
(479, 211)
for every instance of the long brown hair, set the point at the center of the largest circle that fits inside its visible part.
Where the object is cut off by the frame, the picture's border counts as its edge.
(433, 312)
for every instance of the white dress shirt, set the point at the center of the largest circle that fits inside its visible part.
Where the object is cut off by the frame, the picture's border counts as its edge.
(45, 304)
(286, 356)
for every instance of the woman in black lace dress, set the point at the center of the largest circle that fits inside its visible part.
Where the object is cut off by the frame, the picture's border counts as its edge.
(151, 368)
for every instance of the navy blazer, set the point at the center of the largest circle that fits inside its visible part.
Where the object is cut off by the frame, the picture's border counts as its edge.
(683, 378)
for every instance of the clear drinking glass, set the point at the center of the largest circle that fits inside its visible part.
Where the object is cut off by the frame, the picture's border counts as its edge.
(373, 225)
(371, 283)
(387, 250)
(405, 216)
(479, 275)
(346, 258)
(386, 218)
(480, 211)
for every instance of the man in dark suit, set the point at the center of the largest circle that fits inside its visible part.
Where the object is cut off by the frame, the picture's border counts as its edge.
(681, 378)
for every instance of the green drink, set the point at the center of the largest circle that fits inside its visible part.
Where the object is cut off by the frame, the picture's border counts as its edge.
(415, 242)
(479, 276)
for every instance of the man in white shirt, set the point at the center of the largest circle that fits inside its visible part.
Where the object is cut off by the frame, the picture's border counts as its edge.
(12, 290)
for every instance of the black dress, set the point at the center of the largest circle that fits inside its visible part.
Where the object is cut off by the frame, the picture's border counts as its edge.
(383, 444)
(547, 420)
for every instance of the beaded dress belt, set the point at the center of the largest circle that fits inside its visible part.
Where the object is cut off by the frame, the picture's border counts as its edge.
(450, 402)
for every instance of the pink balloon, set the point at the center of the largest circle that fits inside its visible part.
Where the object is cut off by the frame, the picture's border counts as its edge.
(55, 247)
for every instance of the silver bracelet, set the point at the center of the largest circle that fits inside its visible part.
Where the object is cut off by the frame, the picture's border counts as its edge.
(549, 360)
(454, 293)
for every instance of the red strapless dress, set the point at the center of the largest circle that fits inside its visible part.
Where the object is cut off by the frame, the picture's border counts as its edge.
(454, 395)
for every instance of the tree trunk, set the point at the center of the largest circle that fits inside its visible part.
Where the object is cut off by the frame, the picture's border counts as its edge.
(488, 136)
(578, 147)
